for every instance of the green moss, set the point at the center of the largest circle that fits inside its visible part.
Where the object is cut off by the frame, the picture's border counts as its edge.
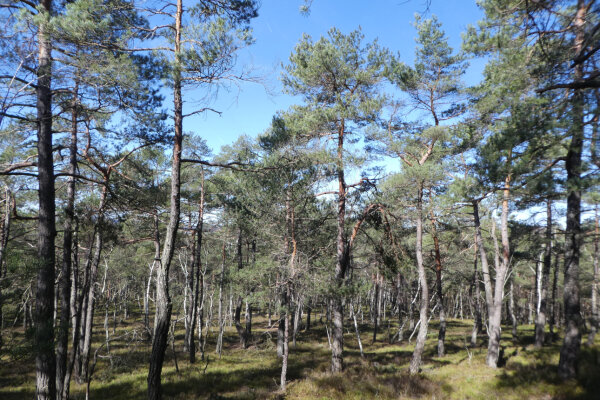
(383, 372)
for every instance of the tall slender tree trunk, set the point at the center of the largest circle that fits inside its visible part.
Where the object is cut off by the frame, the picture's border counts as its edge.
(4, 233)
(155, 262)
(596, 257)
(540, 323)
(281, 323)
(489, 297)
(286, 346)
(75, 305)
(65, 278)
(569, 353)
(415, 362)
(237, 317)
(221, 316)
(438, 284)
(511, 308)
(341, 265)
(45, 359)
(375, 307)
(291, 248)
(495, 311)
(477, 323)
(553, 308)
(360, 346)
(90, 295)
(196, 268)
(164, 306)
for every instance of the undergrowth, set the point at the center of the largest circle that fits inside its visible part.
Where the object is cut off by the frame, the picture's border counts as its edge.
(253, 373)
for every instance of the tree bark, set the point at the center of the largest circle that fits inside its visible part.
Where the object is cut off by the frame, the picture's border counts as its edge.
(440, 294)
(196, 268)
(163, 303)
(90, 295)
(376, 308)
(360, 346)
(540, 323)
(415, 362)
(65, 278)
(155, 262)
(4, 233)
(477, 323)
(495, 311)
(75, 305)
(243, 333)
(281, 324)
(221, 317)
(553, 308)
(291, 249)
(45, 359)
(485, 269)
(286, 347)
(511, 309)
(569, 353)
(341, 265)
(596, 257)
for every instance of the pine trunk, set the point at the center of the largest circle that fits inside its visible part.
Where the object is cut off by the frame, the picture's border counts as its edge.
(196, 269)
(164, 306)
(495, 311)
(477, 323)
(415, 362)
(341, 266)
(596, 257)
(65, 273)
(4, 233)
(569, 353)
(45, 360)
(440, 294)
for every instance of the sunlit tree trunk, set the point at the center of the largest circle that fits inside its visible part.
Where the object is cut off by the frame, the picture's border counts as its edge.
(540, 323)
(415, 362)
(164, 306)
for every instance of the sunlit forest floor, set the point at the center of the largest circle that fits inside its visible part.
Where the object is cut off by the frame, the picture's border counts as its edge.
(254, 373)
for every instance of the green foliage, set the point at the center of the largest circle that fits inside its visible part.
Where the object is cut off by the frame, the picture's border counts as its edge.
(338, 77)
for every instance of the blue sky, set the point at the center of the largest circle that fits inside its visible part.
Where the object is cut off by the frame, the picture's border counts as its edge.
(249, 107)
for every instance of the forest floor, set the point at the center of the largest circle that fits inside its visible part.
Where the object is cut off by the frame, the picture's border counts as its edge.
(254, 373)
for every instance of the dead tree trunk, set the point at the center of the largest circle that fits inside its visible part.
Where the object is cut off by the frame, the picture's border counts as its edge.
(540, 323)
